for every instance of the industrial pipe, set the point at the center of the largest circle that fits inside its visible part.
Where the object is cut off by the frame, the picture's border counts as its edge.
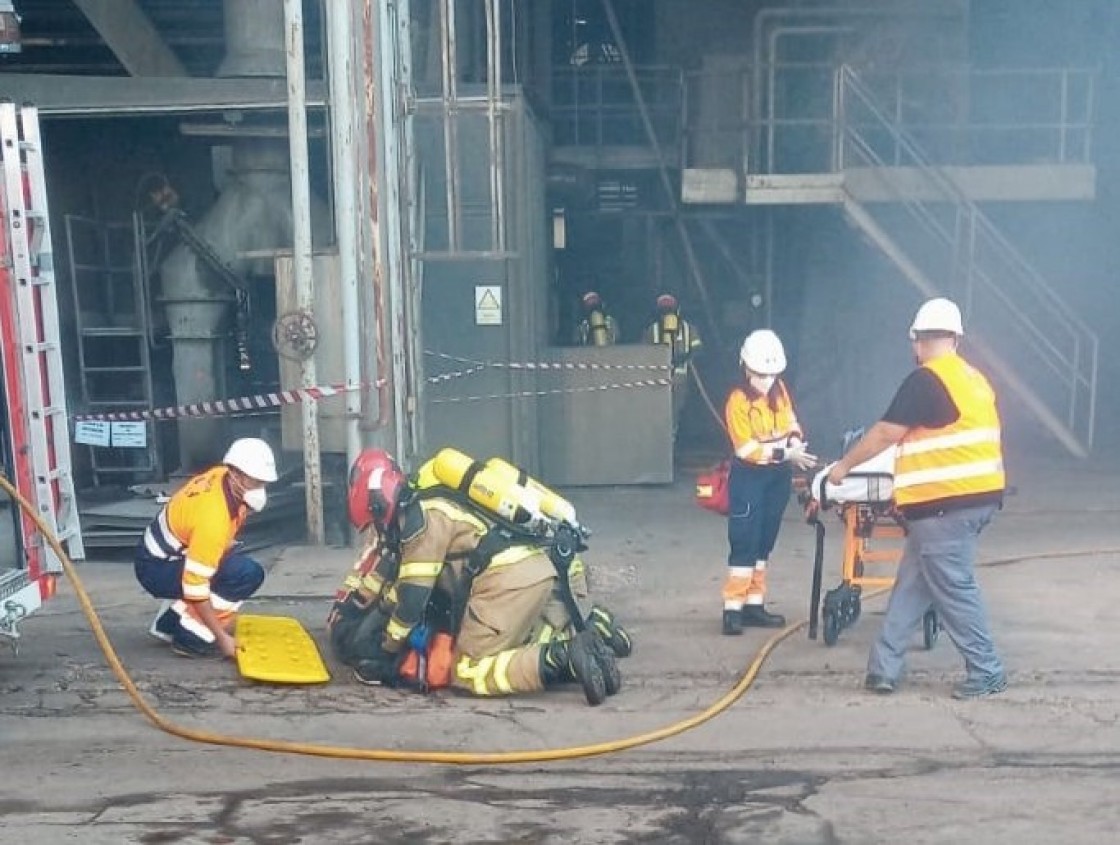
(301, 256)
(344, 167)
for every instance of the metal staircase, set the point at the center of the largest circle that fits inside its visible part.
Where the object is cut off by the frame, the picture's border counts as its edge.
(1029, 337)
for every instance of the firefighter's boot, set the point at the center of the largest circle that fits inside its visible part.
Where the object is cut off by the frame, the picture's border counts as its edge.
(757, 616)
(574, 660)
(617, 638)
(612, 677)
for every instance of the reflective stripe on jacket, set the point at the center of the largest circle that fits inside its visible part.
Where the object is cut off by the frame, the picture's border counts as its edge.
(755, 428)
(198, 525)
(961, 459)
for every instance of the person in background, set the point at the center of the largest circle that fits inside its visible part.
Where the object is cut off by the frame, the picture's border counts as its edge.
(768, 442)
(948, 484)
(597, 328)
(186, 556)
(671, 329)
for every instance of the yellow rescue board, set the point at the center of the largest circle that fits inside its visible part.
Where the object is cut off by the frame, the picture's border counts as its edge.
(278, 649)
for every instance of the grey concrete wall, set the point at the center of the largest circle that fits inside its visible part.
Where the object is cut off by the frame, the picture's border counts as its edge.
(615, 435)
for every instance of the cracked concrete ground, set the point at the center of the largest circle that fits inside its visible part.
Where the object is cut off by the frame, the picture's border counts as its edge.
(804, 757)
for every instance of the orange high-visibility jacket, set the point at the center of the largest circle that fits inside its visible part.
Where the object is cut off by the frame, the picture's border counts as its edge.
(755, 428)
(198, 525)
(961, 459)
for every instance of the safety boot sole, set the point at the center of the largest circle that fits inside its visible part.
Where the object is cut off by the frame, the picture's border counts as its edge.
(587, 669)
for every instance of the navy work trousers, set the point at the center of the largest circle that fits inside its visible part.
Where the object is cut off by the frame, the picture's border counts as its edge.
(758, 496)
(238, 577)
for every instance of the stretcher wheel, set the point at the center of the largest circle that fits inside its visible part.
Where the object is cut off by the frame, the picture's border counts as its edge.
(931, 628)
(831, 627)
(852, 610)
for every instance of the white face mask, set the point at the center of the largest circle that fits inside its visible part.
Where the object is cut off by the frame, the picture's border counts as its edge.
(763, 383)
(255, 498)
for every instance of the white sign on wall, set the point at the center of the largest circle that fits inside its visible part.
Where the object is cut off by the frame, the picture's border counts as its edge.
(487, 305)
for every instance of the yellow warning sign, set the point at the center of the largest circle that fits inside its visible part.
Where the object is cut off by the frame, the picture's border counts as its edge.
(278, 649)
(487, 305)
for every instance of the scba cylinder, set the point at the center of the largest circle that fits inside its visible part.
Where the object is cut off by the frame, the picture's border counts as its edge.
(500, 488)
(669, 325)
(597, 322)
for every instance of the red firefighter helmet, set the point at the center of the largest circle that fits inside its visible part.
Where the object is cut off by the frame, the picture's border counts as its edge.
(666, 303)
(591, 300)
(377, 489)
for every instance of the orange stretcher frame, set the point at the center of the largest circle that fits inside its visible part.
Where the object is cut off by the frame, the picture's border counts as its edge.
(873, 534)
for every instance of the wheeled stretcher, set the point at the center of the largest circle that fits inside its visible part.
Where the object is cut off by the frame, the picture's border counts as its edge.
(873, 538)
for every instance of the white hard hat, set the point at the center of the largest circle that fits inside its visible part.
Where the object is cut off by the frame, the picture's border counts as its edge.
(253, 457)
(763, 353)
(937, 315)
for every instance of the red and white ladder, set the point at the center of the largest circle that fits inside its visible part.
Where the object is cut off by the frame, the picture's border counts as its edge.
(38, 431)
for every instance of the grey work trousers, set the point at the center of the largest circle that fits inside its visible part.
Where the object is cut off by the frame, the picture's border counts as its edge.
(938, 570)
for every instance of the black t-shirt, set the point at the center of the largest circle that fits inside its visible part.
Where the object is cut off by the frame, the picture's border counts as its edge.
(922, 401)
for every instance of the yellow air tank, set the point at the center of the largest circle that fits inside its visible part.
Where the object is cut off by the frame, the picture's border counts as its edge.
(669, 325)
(552, 505)
(490, 487)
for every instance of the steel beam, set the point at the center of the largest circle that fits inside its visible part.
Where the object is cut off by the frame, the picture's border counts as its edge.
(129, 33)
(107, 96)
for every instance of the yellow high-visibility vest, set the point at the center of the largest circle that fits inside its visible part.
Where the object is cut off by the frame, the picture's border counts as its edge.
(961, 459)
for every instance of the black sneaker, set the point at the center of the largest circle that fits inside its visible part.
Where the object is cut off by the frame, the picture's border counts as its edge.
(879, 684)
(165, 624)
(980, 687)
(370, 672)
(194, 647)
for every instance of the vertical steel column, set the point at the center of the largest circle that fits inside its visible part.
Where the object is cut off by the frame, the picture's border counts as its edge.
(344, 170)
(450, 65)
(301, 254)
(496, 128)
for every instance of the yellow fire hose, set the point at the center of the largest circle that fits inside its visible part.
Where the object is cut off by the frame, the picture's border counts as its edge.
(460, 758)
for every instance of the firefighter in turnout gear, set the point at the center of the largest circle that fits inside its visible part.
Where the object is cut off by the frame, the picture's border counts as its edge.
(768, 442)
(186, 555)
(439, 561)
(597, 328)
(671, 329)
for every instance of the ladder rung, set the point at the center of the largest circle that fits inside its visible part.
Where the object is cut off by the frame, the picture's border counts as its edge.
(116, 369)
(113, 403)
(45, 346)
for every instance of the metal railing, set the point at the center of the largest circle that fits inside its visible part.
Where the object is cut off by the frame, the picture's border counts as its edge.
(1018, 314)
(780, 117)
(595, 106)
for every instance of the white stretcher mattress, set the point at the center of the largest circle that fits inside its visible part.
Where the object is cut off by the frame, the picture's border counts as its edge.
(870, 482)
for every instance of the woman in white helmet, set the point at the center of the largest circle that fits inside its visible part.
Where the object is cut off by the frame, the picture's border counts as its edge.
(768, 441)
(185, 555)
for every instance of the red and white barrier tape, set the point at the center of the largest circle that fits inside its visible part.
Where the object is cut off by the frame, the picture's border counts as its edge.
(524, 394)
(240, 404)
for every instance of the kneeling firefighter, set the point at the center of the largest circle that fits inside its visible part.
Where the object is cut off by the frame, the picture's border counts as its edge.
(454, 565)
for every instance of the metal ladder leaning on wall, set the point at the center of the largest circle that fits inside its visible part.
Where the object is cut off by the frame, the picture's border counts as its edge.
(114, 352)
(31, 343)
